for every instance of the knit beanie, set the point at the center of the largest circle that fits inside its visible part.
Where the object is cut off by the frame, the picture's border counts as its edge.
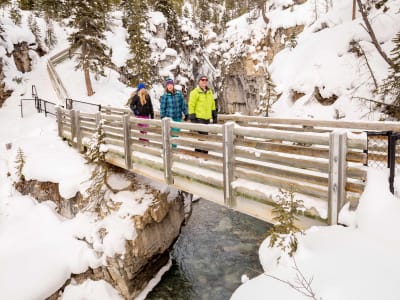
(169, 81)
(201, 76)
(140, 86)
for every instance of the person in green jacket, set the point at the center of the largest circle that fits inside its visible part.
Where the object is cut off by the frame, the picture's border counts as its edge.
(202, 106)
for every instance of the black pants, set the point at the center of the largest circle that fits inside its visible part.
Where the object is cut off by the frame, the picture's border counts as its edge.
(201, 121)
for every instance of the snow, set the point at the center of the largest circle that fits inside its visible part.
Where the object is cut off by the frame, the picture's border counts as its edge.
(90, 290)
(355, 262)
(40, 249)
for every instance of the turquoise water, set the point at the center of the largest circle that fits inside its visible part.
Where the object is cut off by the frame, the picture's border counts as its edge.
(214, 250)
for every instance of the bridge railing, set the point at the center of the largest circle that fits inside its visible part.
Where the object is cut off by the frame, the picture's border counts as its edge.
(241, 167)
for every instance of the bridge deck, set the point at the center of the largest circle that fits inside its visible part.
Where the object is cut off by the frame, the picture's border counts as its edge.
(244, 167)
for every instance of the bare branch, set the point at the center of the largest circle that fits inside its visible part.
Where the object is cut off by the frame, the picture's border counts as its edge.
(368, 65)
(373, 36)
(377, 102)
(301, 284)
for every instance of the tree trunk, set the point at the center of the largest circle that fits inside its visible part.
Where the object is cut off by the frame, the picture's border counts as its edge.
(353, 16)
(87, 80)
(263, 13)
(373, 36)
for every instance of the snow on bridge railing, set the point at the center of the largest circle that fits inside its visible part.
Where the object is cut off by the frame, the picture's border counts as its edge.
(244, 166)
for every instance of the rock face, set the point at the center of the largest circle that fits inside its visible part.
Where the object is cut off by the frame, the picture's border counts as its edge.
(21, 57)
(157, 230)
(4, 93)
(43, 191)
(244, 81)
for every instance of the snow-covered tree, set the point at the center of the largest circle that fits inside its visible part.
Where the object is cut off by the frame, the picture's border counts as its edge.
(174, 35)
(87, 42)
(19, 164)
(94, 197)
(135, 21)
(15, 15)
(50, 39)
(391, 85)
(34, 27)
(283, 233)
(268, 97)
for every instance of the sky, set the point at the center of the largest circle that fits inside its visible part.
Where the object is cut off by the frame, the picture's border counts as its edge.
(357, 261)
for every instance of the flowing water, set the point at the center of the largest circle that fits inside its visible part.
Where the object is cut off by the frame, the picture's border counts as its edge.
(216, 247)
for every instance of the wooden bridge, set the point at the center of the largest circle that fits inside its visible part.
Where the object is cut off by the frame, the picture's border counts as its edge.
(248, 159)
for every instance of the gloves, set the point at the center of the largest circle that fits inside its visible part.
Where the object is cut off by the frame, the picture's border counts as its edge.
(214, 117)
(192, 117)
(186, 118)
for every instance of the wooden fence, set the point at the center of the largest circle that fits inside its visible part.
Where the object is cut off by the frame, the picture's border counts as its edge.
(245, 165)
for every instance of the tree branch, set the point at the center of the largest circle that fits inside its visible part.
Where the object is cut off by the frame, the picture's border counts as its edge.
(368, 65)
(263, 12)
(373, 36)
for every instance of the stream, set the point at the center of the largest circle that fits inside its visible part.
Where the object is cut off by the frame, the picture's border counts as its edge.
(216, 247)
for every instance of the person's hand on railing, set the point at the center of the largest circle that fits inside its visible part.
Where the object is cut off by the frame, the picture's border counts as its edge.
(192, 117)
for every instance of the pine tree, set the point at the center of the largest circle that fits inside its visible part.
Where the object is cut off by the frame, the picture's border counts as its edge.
(139, 65)
(174, 35)
(391, 85)
(291, 43)
(34, 27)
(2, 33)
(20, 163)
(26, 4)
(54, 9)
(50, 39)
(89, 19)
(4, 2)
(94, 199)
(268, 97)
(15, 15)
(283, 233)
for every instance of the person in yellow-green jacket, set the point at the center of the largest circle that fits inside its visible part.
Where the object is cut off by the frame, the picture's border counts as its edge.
(202, 106)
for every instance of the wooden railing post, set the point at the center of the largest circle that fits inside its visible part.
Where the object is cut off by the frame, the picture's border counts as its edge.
(228, 164)
(78, 130)
(337, 175)
(73, 125)
(98, 119)
(166, 136)
(59, 121)
(127, 141)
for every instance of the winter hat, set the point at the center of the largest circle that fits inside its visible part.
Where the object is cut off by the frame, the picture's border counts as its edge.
(140, 86)
(201, 76)
(169, 81)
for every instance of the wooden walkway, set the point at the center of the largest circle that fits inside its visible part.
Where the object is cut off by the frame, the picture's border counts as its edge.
(248, 159)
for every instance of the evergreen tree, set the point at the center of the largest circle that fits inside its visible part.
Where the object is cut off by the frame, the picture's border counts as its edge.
(174, 35)
(283, 233)
(89, 19)
(34, 27)
(94, 198)
(135, 21)
(20, 163)
(4, 2)
(391, 85)
(268, 97)
(26, 4)
(291, 43)
(2, 32)
(54, 9)
(50, 39)
(15, 15)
